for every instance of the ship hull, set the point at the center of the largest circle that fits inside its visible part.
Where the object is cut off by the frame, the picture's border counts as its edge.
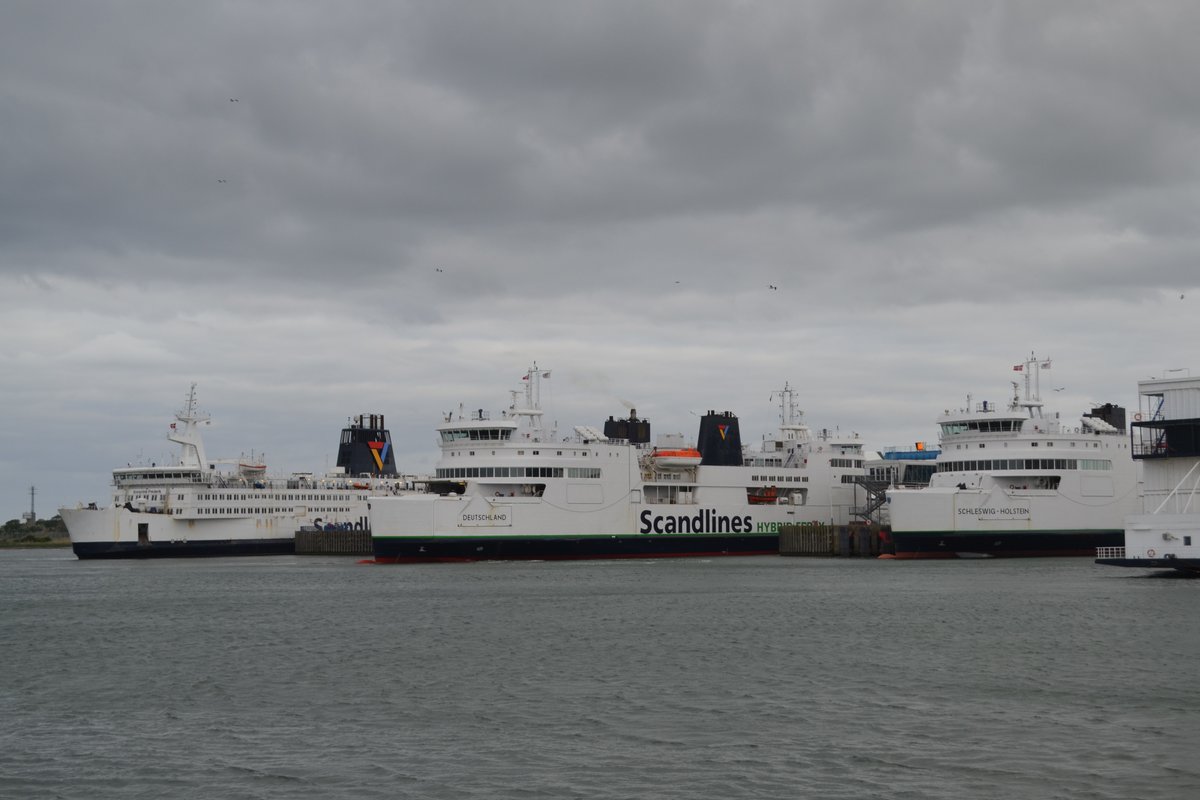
(227, 547)
(1003, 544)
(410, 549)
(1188, 565)
(111, 533)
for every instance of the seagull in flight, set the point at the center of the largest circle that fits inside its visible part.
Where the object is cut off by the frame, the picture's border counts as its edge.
(439, 269)
(1059, 389)
(772, 288)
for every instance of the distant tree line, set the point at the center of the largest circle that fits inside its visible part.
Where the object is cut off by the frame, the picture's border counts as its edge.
(43, 530)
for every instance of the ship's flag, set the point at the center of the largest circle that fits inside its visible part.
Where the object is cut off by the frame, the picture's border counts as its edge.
(1019, 368)
(524, 377)
(172, 426)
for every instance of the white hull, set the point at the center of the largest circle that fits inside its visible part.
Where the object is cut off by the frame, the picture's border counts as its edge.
(951, 510)
(119, 532)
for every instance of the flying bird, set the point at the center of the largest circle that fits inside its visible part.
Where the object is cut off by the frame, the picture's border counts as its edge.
(1059, 389)
(233, 99)
(772, 288)
(439, 269)
(222, 180)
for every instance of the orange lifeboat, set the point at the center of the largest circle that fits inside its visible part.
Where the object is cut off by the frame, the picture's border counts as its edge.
(676, 458)
(763, 497)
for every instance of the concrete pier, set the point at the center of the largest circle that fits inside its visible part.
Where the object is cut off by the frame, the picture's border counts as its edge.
(333, 543)
(830, 541)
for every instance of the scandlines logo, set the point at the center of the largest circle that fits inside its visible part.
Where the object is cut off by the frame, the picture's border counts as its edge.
(380, 452)
(721, 429)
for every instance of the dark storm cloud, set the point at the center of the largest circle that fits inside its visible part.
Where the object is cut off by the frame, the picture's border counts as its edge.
(362, 137)
(293, 202)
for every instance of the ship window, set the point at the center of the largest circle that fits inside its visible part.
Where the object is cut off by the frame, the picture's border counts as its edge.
(1187, 541)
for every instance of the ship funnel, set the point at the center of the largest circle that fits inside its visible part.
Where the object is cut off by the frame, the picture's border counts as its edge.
(1112, 414)
(366, 447)
(720, 441)
(632, 430)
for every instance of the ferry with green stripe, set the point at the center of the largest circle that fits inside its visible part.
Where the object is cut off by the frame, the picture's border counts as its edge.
(509, 486)
(1018, 481)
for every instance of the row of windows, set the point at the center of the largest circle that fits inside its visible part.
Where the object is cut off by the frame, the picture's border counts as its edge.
(846, 462)
(583, 472)
(780, 478)
(984, 426)
(222, 512)
(160, 476)
(986, 465)
(478, 435)
(295, 497)
(500, 472)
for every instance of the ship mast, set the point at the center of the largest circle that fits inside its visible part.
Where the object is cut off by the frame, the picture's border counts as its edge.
(791, 418)
(1033, 389)
(532, 410)
(188, 438)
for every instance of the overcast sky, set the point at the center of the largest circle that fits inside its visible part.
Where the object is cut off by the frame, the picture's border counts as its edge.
(314, 210)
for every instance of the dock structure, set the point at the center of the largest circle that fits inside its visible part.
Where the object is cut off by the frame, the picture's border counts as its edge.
(816, 540)
(311, 542)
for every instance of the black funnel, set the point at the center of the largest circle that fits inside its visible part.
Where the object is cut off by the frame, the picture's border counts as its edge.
(366, 447)
(720, 442)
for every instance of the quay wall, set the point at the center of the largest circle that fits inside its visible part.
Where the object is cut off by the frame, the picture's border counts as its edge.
(817, 540)
(333, 543)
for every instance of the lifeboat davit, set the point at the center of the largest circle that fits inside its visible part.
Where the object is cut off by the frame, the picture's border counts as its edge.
(677, 458)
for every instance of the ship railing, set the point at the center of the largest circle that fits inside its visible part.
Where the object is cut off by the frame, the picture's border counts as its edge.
(1110, 552)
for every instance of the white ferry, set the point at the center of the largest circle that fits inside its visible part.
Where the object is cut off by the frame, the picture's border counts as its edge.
(1166, 440)
(197, 507)
(511, 487)
(1016, 481)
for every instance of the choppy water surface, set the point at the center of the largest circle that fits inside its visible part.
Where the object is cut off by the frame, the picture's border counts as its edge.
(294, 677)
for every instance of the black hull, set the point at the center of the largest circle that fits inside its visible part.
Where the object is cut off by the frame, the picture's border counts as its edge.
(561, 548)
(227, 547)
(1189, 565)
(1004, 544)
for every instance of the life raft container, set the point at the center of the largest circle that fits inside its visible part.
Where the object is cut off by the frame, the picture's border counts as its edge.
(678, 458)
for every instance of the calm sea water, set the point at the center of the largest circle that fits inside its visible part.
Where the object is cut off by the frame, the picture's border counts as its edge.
(302, 677)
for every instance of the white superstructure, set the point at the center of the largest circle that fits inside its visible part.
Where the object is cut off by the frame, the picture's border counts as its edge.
(1166, 440)
(511, 487)
(1015, 480)
(198, 506)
